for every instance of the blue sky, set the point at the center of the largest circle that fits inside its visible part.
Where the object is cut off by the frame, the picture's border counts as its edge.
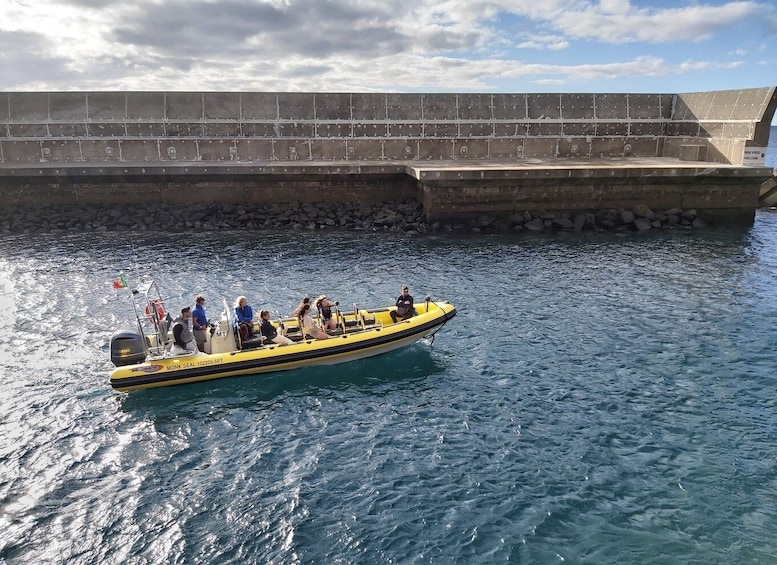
(387, 45)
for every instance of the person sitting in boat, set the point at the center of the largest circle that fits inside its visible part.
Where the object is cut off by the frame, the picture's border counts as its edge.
(405, 308)
(309, 327)
(183, 340)
(324, 307)
(245, 317)
(298, 309)
(269, 332)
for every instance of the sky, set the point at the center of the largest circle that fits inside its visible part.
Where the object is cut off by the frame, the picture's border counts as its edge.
(387, 45)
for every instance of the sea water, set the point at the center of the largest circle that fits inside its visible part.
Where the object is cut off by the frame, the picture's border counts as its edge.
(599, 398)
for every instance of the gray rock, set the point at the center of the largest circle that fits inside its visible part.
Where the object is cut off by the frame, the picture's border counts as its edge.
(535, 225)
(484, 221)
(517, 219)
(642, 211)
(610, 216)
(642, 224)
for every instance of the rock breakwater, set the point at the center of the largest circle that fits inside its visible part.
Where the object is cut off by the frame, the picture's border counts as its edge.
(405, 217)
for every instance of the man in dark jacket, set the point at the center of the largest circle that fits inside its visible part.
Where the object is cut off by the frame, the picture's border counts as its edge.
(405, 308)
(182, 335)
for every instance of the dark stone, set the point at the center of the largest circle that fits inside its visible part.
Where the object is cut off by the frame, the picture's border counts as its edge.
(642, 211)
(535, 225)
(563, 223)
(397, 217)
(484, 221)
(610, 216)
(642, 224)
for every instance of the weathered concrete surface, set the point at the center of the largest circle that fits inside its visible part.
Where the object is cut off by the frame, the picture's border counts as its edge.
(513, 151)
(204, 183)
(88, 127)
(768, 192)
(719, 193)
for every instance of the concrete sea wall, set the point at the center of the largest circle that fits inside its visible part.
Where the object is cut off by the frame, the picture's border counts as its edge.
(127, 127)
(457, 155)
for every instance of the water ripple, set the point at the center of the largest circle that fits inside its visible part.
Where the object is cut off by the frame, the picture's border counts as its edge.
(598, 399)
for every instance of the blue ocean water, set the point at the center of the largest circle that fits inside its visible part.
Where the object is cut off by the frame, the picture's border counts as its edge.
(600, 398)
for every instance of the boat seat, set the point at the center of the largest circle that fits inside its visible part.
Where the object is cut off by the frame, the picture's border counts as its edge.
(367, 322)
(253, 342)
(293, 333)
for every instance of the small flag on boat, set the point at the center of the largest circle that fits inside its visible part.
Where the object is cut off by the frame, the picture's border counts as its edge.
(120, 282)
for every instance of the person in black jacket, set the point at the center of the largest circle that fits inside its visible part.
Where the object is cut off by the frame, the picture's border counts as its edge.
(269, 332)
(182, 335)
(405, 308)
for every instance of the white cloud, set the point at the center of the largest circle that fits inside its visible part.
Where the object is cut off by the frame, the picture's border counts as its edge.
(615, 6)
(692, 23)
(340, 45)
(550, 42)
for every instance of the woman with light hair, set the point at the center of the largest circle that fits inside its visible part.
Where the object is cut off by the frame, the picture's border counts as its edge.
(245, 317)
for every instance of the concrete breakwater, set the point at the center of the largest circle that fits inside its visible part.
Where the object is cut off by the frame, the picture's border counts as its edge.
(395, 217)
(461, 156)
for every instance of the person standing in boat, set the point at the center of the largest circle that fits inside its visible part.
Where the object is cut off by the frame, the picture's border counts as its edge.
(405, 308)
(269, 332)
(200, 323)
(309, 327)
(182, 336)
(245, 317)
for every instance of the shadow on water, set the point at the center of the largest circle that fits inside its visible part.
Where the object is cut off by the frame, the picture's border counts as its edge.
(372, 376)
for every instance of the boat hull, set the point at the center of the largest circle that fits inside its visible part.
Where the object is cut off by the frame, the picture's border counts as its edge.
(352, 346)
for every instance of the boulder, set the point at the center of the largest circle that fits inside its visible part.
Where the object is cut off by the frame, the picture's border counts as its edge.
(484, 221)
(626, 217)
(535, 225)
(610, 216)
(642, 224)
(642, 211)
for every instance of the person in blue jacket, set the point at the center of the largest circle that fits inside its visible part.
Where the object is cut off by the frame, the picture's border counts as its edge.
(200, 323)
(245, 317)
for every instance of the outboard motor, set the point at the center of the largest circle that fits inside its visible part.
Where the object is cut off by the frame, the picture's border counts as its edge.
(127, 348)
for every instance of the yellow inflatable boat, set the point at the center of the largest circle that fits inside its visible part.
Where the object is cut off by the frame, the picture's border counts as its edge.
(145, 358)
